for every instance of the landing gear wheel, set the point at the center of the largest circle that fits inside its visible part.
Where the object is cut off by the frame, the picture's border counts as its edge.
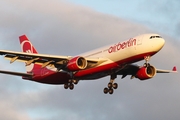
(115, 85)
(106, 90)
(66, 86)
(110, 85)
(111, 91)
(75, 82)
(146, 65)
(71, 86)
(70, 81)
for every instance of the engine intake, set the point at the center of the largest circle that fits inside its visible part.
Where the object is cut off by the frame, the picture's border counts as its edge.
(146, 72)
(77, 63)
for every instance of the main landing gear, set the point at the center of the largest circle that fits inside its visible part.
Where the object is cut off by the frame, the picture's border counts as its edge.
(111, 85)
(70, 84)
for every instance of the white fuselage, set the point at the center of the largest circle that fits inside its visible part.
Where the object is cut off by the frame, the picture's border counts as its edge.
(122, 53)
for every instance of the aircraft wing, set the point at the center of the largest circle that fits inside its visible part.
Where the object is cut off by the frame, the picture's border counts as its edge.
(167, 71)
(132, 69)
(43, 59)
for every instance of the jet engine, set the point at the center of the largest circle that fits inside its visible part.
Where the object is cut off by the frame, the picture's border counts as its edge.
(77, 63)
(146, 72)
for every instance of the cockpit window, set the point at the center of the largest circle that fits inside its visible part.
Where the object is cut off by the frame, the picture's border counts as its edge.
(155, 37)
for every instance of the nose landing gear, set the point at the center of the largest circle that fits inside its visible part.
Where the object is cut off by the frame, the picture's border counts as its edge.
(146, 58)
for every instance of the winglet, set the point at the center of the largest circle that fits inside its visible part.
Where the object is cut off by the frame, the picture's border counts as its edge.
(174, 69)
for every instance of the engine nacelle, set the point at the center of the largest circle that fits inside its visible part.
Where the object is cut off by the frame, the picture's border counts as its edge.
(77, 63)
(146, 72)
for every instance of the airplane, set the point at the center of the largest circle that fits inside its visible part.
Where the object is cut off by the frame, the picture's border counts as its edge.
(111, 60)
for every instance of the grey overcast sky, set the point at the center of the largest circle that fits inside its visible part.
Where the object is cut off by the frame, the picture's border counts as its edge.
(72, 27)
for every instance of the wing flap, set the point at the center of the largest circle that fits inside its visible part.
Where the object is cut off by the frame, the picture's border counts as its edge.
(29, 58)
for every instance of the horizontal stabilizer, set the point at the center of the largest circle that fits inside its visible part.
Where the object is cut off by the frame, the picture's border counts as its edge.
(16, 73)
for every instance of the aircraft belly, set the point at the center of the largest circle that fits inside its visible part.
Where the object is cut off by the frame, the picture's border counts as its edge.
(53, 78)
(95, 76)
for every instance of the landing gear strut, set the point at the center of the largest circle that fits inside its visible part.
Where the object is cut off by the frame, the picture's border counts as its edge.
(111, 85)
(146, 58)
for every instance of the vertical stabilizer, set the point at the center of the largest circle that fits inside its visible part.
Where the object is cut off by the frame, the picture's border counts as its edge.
(27, 47)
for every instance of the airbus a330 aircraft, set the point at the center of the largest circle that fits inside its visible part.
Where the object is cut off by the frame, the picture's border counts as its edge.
(112, 60)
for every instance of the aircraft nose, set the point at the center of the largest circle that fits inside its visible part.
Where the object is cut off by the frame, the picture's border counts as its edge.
(162, 42)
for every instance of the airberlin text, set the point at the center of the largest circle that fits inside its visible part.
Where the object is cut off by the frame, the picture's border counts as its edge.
(123, 45)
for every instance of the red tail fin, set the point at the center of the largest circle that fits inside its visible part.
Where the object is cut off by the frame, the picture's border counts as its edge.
(26, 45)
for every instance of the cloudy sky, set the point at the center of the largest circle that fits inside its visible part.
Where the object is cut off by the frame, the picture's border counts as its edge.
(74, 26)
